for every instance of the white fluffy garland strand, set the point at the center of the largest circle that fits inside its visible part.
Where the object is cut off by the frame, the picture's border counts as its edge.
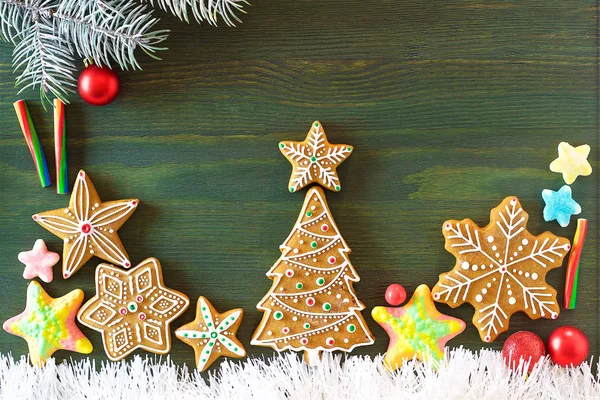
(467, 375)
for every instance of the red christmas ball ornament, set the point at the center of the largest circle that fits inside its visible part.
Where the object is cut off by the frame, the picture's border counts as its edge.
(568, 346)
(98, 86)
(523, 345)
(395, 294)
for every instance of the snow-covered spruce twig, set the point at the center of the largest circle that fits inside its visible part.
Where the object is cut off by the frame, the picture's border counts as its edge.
(48, 34)
(204, 10)
(465, 375)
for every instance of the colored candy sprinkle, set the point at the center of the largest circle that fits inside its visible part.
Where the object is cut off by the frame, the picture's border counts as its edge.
(313, 244)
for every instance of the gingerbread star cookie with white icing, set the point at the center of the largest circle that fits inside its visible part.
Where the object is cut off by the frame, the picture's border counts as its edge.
(315, 160)
(88, 227)
(133, 309)
(500, 269)
(212, 335)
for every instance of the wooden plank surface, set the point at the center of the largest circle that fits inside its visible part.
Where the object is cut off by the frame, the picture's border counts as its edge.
(451, 107)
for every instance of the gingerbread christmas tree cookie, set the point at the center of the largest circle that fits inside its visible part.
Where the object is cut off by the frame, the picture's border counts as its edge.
(88, 227)
(48, 324)
(500, 269)
(133, 309)
(311, 305)
(212, 335)
(315, 160)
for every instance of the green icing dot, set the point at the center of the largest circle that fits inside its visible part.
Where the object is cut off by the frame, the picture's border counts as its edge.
(185, 335)
(306, 325)
(309, 213)
(281, 145)
(221, 328)
(235, 349)
(194, 335)
(299, 285)
(213, 335)
(313, 159)
(348, 148)
(316, 124)
(337, 188)
(232, 318)
(278, 315)
(203, 308)
(226, 322)
(313, 244)
(204, 360)
(207, 351)
(326, 306)
(291, 190)
(209, 324)
(203, 335)
(351, 328)
(229, 344)
(211, 344)
(321, 281)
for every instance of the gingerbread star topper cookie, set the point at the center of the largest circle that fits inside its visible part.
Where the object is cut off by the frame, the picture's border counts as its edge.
(500, 269)
(416, 330)
(48, 324)
(133, 309)
(315, 160)
(88, 227)
(212, 335)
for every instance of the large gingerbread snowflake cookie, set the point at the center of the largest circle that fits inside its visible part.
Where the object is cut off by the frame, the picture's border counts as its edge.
(133, 309)
(500, 269)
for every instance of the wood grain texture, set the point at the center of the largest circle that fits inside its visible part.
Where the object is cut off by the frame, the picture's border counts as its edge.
(451, 106)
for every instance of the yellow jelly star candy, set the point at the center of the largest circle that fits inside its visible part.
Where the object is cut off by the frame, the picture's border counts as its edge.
(572, 162)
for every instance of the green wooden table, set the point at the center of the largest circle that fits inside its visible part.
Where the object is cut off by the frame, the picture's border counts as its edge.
(451, 107)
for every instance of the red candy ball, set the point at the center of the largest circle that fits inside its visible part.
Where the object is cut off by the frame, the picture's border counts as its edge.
(395, 294)
(98, 86)
(523, 345)
(568, 346)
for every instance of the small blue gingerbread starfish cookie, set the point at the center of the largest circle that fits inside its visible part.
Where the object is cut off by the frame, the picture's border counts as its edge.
(560, 205)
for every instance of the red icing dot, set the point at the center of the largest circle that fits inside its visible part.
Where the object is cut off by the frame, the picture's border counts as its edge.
(304, 341)
(127, 264)
(35, 217)
(289, 273)
(134, 203)
(81, 173)
(503, 269)
(310, 301)
(554, 315)
(436, 296)
(513, 201)
(86, 228)
(448, 226)
(142, 316)
(66, 275)
(330, 341)
(324, 227)
(286, 330)
(487, 338)
(331, 260)
(139, 298)
(122, 311)
(568, 247)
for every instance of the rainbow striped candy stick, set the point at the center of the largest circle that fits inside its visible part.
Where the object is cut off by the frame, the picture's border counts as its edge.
(33, 142)
(573, 264)
(60, 147)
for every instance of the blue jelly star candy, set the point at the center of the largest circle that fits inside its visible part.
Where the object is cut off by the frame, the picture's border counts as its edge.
(560, 205)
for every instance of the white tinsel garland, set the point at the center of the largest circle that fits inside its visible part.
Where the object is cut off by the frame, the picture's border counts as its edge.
(467, 375)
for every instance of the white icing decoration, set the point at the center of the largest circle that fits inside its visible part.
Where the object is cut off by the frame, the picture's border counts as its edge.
(511, 222)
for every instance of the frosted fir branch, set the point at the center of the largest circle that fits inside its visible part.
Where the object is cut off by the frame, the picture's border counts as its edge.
(334, 155)
(204, 10)
(44, 58)
(467, 241)
(328, 175)
(541, 253)
(109, 30)
(301, 177)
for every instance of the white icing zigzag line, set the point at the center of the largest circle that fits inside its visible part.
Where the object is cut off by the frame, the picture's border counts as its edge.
(468, 241)
(297, 335)
(300, 265)
(541, 253)
(319, 289)
(328, 315)
(493, 315)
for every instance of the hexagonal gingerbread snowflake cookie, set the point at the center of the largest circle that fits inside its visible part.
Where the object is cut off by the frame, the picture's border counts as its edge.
(500, 269)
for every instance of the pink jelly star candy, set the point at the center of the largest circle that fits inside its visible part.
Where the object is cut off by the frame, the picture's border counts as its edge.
(38, 261)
